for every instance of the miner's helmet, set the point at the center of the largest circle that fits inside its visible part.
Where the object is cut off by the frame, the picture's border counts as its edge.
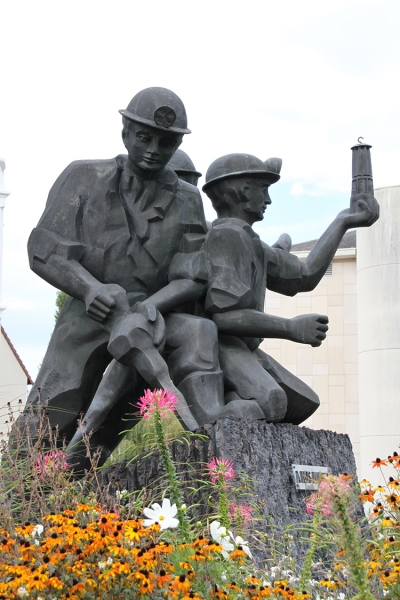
(184, 167)
(240, 165)
(159, 108)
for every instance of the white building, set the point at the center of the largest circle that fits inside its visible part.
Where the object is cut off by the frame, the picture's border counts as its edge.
(13, 379)
(13, 375)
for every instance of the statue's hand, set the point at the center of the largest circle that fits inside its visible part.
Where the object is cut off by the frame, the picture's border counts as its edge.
(363, 211)
(104, 299)
(141, 329)
(155, 318)
(309, 329)
(284, 242)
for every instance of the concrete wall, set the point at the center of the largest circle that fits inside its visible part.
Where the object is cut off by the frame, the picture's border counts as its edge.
(378, 274)
(332, 369)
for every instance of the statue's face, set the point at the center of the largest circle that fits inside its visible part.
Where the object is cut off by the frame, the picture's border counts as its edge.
(256, 192)
(150, 149)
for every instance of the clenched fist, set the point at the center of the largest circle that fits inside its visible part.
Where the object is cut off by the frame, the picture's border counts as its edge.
(309, 329)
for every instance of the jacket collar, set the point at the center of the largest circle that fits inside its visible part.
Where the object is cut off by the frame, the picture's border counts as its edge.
(168, 181)
(238, 222)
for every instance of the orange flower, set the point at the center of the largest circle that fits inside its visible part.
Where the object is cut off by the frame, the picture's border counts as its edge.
(238, 555)
(6, 544)
(218, 593)
(233, 586)
(265, 592)
(378, 462)
(163, 578)
(163, 548)
(330, 584)
(252, 580)
(181, 583)
(78, 588)
(56, 583)
(367, 496)
(88, 508)
(365, 482)
(200, 542)
(198, 556)
(134, 532)
(212, 547)
(393, 499)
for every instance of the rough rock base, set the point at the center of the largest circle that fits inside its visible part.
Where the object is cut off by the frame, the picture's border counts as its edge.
(260, 451)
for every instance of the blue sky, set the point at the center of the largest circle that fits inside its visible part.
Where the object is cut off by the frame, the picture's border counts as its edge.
(298, 80)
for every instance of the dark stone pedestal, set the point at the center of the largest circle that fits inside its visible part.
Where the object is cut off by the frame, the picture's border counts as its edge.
(263, 452)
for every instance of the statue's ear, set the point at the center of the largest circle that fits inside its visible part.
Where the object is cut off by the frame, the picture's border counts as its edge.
(124, 134)
(243, 191)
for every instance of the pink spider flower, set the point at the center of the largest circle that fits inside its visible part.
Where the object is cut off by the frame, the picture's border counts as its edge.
(241, 511)
(52, 461)
(162, 400)
(220, 467)
(322, 499)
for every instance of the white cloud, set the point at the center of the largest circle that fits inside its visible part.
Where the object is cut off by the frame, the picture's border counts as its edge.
(16, 303)
(297, 189)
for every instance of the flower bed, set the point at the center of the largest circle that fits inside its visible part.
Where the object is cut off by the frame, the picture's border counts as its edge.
(61, 538)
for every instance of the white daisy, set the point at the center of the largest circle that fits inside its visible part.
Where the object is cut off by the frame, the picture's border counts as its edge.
(163, 515)
(239, 541)
(37, 530)
(221, 536)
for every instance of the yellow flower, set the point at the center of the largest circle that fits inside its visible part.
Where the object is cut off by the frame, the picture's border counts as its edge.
(133, 533)
(56, 583)
(330, 584)
(37, 582)
(181, 583)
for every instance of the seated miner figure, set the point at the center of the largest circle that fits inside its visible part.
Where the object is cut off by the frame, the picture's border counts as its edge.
(237, 267)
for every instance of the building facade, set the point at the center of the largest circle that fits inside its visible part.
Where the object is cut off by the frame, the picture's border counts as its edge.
(14, 379)
(332, 369)
(356, 370)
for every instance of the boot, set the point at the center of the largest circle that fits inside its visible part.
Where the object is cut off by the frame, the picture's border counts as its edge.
(204, 394)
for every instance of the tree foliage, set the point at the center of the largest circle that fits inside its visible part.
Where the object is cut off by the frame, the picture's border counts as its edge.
(60, 299)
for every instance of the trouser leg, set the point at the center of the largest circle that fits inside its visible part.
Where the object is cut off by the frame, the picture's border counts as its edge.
(302, 400)
(191, 345)
(244, 375)
(99, 421)
(192, 351)
(71, 370)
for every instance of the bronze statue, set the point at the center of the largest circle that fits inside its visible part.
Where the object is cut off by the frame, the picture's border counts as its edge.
(162, 300)
(108, 234)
